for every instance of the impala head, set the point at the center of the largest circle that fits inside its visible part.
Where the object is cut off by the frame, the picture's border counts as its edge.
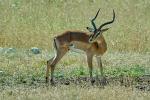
(98, 31)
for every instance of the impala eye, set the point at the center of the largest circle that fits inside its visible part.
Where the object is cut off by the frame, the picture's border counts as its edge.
(91, 38)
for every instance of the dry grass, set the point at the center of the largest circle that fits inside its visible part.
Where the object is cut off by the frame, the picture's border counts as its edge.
(74, 92)
(40, 20)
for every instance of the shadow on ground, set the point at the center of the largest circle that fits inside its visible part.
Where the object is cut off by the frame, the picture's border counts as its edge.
(140, 83)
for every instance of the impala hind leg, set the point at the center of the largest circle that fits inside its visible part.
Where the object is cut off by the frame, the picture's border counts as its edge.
(52, 62)
(47, 69)
(99, 61)
(89, 61)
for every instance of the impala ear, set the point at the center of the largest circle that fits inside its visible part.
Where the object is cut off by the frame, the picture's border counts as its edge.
(103, 30)
(90, 29)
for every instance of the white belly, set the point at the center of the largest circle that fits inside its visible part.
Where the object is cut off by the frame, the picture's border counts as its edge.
(79, 46)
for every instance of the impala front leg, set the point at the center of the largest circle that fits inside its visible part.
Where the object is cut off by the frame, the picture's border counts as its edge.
(89, 60)
(99, 61)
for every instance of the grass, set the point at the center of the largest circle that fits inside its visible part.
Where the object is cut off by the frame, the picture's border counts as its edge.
(24, 64)
(40, 20)
(34, 23)
(23, 76)
(75, 93)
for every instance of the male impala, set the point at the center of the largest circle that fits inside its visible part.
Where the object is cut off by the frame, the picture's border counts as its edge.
(92, 43)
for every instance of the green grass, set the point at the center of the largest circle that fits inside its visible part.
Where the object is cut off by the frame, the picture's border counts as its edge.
(23, 76)
(25, 67)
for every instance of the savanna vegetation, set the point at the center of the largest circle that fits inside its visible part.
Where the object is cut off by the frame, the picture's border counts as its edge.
(34, 23)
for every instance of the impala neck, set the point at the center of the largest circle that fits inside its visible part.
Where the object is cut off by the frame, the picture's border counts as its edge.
(101, 45)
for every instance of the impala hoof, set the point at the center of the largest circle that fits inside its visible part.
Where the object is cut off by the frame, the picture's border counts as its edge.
(46, 80)
(92, 81)
(52, 82)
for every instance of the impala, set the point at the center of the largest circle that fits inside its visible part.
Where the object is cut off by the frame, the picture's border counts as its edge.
(92, 43)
